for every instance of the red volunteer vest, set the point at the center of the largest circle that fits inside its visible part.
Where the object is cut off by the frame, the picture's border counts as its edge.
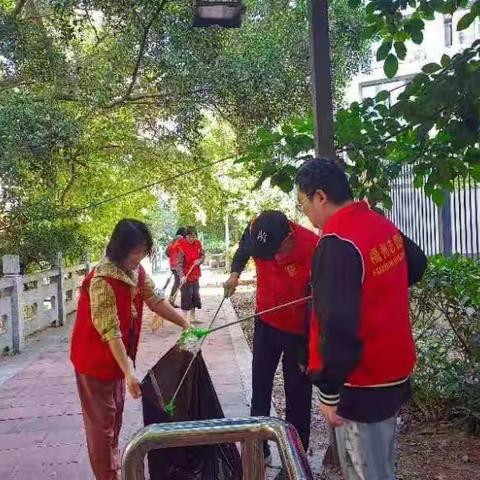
(388, 352)
(286, 281)
(89, 354)
(172, 250)
(191, 252)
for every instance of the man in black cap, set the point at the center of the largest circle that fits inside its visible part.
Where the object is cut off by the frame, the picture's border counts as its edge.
(282, 251)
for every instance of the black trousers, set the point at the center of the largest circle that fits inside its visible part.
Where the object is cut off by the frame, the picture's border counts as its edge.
(269, 344)
(191, 296)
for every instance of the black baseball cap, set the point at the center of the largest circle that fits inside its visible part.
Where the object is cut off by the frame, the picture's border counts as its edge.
(267, 232)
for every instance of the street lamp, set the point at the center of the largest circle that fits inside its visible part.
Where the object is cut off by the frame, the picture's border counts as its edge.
(226, 14)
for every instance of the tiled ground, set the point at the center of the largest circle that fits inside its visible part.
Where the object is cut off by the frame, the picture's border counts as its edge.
(41, 431)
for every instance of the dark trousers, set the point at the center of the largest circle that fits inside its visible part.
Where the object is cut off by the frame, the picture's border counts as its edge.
(191, 295)
(176, 283)
(269, 344)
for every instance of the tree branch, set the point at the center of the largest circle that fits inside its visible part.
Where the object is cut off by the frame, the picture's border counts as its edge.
(14, 82)
(71, 181)
(143, 45)
(92, 23)
(18, 7)
(146, 96)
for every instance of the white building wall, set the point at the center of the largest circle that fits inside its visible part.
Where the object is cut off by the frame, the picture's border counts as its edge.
(413, 212)
(435, 44)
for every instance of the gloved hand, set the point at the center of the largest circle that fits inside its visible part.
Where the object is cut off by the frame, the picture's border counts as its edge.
(231, 285)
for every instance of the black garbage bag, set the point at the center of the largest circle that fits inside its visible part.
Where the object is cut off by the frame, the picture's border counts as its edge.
(197, 400)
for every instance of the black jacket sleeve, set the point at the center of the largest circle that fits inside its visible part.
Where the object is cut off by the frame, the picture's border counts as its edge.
(416, 260)
(242, 255)
(337, 289)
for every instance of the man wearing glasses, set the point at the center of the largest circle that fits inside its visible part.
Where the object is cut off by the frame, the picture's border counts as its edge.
(362, 351)
(282, 251)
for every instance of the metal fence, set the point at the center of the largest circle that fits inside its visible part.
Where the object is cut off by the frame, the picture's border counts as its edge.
(453, 228)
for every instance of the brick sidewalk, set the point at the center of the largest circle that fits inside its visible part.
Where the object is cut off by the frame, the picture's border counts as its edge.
(41, 430)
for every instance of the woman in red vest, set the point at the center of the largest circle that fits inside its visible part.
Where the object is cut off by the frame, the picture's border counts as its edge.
(105, 339)
(171, 252)
(190, 256)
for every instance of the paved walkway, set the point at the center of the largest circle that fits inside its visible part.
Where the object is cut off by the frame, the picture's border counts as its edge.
(41, 430)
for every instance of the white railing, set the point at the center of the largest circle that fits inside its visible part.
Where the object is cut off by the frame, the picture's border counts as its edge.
(30, 303)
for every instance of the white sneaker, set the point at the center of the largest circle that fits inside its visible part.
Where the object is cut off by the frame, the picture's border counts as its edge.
(193, 318)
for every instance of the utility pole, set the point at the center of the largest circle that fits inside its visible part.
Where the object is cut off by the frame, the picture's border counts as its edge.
(321, 79)
(322, 120)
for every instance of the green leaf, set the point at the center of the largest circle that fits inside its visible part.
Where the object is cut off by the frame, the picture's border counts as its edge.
(416, 24)
(445, 61)
(465, 21)
(370, 31)
(438, 196)
(354, 3)
(384, 50)
(437, 5)
(390, 67)
(475, 173)
(418, 182)
(431, 68)
(283, 180)
(387, 202)
(401, 50)
(428, 13)
(417, 36)
(382, 96)
(382, 110)
(370, 8)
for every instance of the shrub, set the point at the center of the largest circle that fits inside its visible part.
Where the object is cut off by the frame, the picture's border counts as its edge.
(446, 318)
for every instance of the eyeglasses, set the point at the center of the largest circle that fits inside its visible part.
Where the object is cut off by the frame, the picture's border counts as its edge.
(299, 204)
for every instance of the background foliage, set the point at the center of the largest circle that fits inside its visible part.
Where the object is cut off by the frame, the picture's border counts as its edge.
(99, 97)
(446, 316)
(434, 126)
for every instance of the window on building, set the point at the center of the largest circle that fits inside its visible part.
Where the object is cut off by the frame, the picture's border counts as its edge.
(395, 88)
(448, 31)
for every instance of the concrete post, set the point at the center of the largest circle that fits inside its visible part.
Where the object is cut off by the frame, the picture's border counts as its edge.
(445, 226)
(11, 269)
(61, 309)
